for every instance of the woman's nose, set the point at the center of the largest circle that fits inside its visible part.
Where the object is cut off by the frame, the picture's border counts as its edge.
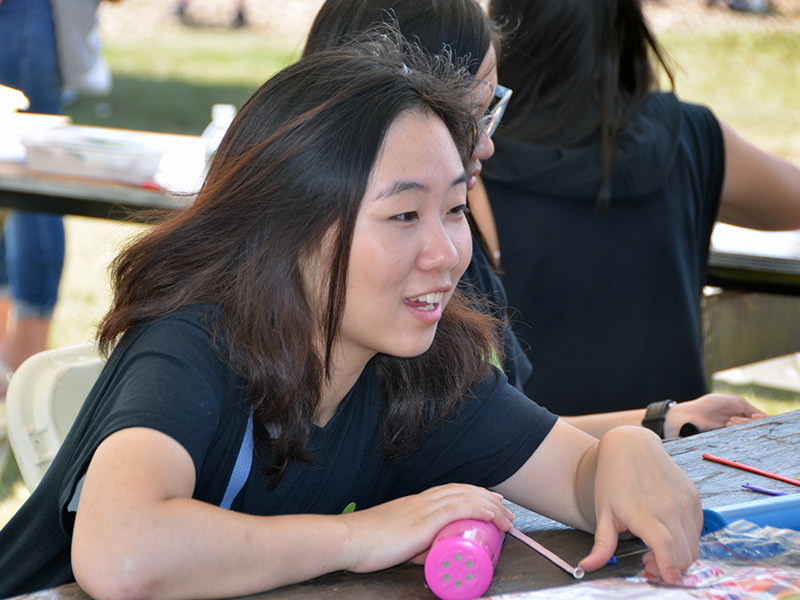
(484, 148)
(440, 249)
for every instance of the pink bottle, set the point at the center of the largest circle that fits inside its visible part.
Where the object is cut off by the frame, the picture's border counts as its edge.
(462, 559)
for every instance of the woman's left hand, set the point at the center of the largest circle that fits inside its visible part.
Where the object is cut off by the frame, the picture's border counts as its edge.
(639, 488)
(626, 481)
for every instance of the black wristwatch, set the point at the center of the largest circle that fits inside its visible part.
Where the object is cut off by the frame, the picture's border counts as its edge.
(655, 415)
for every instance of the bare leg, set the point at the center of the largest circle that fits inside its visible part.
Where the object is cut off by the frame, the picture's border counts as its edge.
(4, 310)
(4, 369)
(25, 338)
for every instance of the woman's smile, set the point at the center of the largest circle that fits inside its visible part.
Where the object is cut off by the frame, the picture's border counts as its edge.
(427, 302)
(427, 308)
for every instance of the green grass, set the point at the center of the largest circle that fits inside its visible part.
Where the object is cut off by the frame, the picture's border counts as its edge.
(750, 80)
(12, 492)
(169, 82)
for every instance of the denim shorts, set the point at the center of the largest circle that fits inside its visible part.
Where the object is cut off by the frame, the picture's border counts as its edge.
(28, 54)
(33, 249)
(32, 252)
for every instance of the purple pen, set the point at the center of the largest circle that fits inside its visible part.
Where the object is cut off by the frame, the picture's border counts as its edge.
(756, 488)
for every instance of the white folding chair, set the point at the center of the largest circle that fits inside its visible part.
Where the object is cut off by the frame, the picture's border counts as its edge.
(43, 399)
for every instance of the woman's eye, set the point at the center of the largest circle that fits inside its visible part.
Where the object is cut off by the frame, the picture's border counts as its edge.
(461, 209)
(408, 216)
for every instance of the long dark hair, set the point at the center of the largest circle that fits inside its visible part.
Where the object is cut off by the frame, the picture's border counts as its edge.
(289, 177)
(578, 68)
(458, 27)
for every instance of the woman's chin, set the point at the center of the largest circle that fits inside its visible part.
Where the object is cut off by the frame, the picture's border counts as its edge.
(412, 349)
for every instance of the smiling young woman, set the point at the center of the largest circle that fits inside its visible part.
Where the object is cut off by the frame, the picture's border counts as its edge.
(410, 245)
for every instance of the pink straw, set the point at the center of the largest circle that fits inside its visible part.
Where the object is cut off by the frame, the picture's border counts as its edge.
(576, 572)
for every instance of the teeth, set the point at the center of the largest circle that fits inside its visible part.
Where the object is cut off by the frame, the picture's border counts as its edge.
(429, 298)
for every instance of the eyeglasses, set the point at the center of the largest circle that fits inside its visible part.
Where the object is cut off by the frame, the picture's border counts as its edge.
(489, 122)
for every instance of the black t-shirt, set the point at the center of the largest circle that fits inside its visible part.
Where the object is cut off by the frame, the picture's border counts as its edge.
(607, 304)
(165, 376)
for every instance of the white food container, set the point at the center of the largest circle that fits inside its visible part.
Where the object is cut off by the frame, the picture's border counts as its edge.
(103, 152)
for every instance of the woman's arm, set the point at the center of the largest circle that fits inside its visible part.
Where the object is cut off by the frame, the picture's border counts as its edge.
(623, 482)
(761, 191)
(711, 411)
(599, 423)
(138, 534)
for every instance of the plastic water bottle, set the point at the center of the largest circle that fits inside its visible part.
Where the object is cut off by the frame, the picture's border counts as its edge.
(221, 118)
(461, 562)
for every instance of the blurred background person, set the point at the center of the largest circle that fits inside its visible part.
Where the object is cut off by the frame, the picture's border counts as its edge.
(46, 47)
(605, 192)
(182, 10)
(33, 243)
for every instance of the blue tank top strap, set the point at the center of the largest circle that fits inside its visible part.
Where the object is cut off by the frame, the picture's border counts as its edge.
(241, 469)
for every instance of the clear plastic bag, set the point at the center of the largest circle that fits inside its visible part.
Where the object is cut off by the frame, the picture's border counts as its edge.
(742, 561)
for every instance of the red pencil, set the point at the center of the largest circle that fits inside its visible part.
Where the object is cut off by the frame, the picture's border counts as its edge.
(732, 463)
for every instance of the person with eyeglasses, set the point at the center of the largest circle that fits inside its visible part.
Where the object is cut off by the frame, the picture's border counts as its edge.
(494, 114)
(462, 28)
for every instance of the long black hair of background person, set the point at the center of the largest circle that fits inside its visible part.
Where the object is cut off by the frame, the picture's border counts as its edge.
(554, 55)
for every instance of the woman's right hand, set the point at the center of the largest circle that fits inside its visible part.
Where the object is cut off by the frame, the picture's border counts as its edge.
(403, 529)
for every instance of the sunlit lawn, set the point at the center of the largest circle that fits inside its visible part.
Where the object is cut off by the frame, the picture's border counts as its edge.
(751, 81)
